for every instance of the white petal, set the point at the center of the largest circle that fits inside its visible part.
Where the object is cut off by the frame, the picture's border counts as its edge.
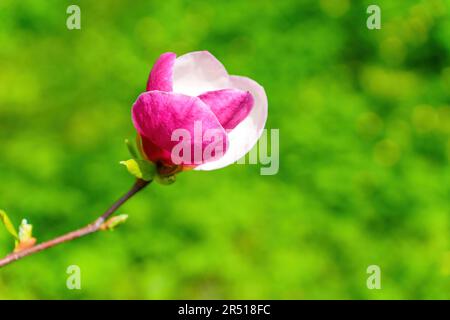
(246, 134)
(198, 72)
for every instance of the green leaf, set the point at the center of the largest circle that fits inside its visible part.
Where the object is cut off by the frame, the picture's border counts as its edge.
(113, 222)
(141, 169)
(8, 224)
(131, 149)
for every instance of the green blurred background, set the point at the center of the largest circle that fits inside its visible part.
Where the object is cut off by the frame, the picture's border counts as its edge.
(364, 119)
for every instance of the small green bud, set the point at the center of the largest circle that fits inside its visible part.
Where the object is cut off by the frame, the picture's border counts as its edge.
(26, 239)
(114, 222)
(166, 180)
(25, 230)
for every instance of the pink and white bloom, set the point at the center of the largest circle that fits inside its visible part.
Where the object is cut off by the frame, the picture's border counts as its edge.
(196, 88)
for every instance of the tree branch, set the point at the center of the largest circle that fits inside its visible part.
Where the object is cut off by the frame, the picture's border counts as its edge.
(90, 228)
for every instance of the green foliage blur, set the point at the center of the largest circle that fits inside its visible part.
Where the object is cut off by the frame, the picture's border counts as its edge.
(364, 119)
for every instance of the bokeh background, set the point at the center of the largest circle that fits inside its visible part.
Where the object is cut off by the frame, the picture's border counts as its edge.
(364, 119)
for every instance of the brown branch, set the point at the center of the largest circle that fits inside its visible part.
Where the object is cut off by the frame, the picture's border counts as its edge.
(90, 228)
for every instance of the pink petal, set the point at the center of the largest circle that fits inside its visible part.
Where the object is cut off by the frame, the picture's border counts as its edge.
(230, 106)
(197, 72)
(244, 137)
(161, 76)
(157, 114)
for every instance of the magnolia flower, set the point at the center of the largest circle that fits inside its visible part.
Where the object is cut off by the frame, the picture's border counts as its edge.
(194, 93)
